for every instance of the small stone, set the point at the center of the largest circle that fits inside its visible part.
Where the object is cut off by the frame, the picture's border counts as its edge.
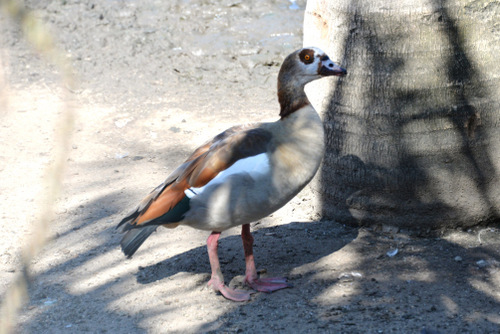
(458, 259)
(482, 263)
(121, 155)
(392, 252)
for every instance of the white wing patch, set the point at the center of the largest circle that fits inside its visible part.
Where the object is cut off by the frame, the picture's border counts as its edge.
(253, 166)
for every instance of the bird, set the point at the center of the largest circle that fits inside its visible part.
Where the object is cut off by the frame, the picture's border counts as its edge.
(243, 174)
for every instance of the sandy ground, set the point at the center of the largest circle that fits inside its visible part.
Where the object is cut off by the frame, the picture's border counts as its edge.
(156, 79)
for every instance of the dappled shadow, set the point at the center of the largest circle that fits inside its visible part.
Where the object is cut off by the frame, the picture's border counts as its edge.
(84, 246)
(417, 288)
(54, 301)
(396, 155)
(297, 246)
(88, 273)
(392, 156)
(467, 111)
(370, 292)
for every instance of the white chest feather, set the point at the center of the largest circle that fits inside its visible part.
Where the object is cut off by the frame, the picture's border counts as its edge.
(255, 167)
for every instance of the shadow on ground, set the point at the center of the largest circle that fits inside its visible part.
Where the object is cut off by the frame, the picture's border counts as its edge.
(343, 281)
(281, 248)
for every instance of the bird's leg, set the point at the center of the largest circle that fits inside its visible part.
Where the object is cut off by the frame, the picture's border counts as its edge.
(268, 284)
(217, 279)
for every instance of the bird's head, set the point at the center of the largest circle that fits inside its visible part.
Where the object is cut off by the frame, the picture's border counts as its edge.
(298, 69)
(306, 65)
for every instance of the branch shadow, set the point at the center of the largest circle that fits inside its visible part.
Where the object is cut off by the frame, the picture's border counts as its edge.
(467, 112)
(84, 245)
(363, 187)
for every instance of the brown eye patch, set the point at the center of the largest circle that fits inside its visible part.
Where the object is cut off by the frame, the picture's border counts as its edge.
(306, 56)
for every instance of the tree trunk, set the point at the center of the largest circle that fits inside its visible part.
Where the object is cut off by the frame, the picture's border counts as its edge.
(413, 130)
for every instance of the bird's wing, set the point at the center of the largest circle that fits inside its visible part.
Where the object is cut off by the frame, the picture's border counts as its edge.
(201, 167)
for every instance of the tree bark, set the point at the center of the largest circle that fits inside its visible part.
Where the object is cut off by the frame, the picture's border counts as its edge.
(413, 130)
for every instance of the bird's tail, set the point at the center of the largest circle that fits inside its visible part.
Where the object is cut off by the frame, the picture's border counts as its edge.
(137, 234)
(134, 238)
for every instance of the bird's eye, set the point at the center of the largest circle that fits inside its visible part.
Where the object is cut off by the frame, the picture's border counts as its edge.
(306, 56)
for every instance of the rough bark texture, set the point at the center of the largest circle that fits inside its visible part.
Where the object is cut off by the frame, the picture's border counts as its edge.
(413, 131)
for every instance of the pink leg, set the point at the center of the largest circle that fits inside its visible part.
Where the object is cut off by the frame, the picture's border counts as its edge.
(217, 280)
(268, 284)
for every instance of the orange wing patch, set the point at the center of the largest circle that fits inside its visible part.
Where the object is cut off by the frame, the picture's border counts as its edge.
(172, 195)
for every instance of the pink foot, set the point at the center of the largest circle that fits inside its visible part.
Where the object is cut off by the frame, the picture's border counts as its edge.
(231, 294)
(268, 284)
(217, 280)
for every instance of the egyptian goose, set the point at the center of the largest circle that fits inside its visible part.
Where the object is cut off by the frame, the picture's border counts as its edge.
(243, 174)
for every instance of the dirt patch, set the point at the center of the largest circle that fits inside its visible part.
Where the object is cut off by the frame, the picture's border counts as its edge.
(156, 79)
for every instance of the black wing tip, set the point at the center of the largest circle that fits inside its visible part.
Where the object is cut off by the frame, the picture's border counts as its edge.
(126, 227)
(136, 234)
(134, 238)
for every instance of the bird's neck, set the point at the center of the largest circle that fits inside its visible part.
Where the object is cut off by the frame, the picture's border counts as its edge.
(291, 97)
